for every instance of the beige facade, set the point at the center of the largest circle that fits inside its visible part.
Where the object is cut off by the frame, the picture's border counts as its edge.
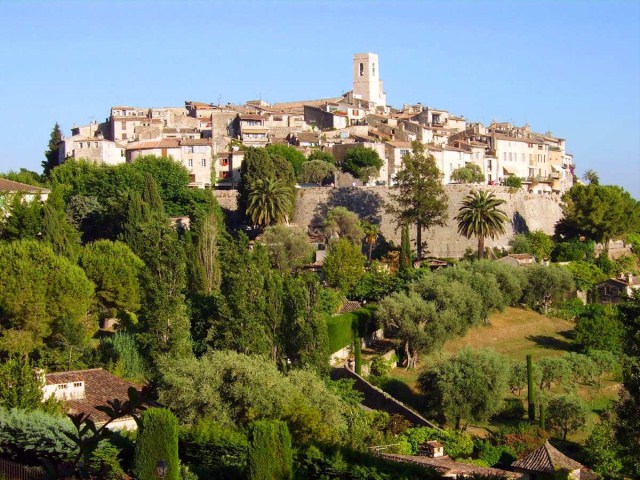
(98, 150)
(124, 120)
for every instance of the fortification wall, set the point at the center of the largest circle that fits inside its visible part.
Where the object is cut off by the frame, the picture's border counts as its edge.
(527, 212)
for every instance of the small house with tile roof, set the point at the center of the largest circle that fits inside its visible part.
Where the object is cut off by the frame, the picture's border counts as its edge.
(9, 189)
(547, 462)
(83, 391)
(449, 468)
(614, 290)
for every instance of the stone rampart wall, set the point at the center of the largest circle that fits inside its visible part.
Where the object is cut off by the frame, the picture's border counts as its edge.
(527, 212)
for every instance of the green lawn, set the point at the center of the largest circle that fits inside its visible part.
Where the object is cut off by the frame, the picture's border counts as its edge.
(515, 333)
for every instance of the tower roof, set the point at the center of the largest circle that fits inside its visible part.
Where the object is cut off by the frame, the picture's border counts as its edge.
(546, 459)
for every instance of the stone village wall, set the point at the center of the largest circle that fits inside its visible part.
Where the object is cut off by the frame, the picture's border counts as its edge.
(527, 212)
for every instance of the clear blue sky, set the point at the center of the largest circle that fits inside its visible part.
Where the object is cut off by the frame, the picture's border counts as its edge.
(569, 67)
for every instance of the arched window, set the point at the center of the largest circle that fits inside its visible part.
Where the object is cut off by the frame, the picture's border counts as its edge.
(362, 69)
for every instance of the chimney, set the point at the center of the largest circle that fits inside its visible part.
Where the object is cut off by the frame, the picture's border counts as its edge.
(629, 278)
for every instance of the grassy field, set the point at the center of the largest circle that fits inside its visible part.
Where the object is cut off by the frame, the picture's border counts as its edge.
(513, 333)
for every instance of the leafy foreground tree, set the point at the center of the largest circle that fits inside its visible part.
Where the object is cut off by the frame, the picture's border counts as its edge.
(419, 197)
(603, 451)
(288, 247)
(566, 414)
(546, 285)
(343, 223)
(412, 320)
(344, 265)
(157, 440)
(315, 171)
(20, 387)
(270, 456)
(468, 387)
(480, 216)
(470, 173)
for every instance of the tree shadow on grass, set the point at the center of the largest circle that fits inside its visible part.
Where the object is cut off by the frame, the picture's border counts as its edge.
(401, 391)
(552, 343)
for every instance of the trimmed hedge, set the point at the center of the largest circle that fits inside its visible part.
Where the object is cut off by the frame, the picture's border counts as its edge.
(343, 329)
(157, 440)
(270, 455)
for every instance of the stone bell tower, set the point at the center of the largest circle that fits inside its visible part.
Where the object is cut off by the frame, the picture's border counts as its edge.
(366, 79)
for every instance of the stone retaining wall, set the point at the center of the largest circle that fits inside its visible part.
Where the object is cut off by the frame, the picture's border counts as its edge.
(526, 211)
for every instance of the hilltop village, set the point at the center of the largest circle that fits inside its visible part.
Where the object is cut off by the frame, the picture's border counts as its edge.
(208, 139)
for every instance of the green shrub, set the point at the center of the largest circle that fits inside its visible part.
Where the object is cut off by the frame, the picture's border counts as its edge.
(214, 452)
(104, 463)
(157, 440)
(270, 456)
(379, 367)
(28, 437)
(513, 409)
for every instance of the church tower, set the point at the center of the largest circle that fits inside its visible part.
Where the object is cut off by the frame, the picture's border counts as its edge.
(366, 80)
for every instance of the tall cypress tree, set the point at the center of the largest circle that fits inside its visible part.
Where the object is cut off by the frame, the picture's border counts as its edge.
(151, 196)
(51, 154)
(270, 455)
(157, 440)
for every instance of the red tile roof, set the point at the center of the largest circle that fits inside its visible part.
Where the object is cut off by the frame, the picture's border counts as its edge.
(546, 459)
(14, 187)
(149, 145)
(99, 385)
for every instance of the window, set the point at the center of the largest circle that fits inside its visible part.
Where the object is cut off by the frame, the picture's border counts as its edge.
(505, 156)
(361, 69)
(523, 158)
(95, 144)
(203, 162)
(373, 69)
(77, 384)
(62, 386)
(355, 113)
(123, 125)
(81, 145)
(124, 136)
(531, 157)
(190, 161)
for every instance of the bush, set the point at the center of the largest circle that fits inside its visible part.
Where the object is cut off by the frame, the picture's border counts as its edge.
(270, 456)
(28, 437)
(157, 440)
(214, 452)
(379, 367)
(513, 182)
(104, 463)
(521, 438)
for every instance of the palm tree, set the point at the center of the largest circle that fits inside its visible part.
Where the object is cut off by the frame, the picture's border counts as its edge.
(270, 201)
(479, 215)
(371, 232)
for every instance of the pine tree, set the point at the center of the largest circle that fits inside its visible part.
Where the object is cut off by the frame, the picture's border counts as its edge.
(51, 153)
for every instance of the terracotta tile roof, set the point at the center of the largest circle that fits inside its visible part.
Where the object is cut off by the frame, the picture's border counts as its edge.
(14, 187)
(546, 459)
(148, 145)
(99, 386)
(248, 116)
(308, 137)
(448, 467)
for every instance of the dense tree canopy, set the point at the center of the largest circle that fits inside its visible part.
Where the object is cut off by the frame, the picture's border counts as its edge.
(471, 173)
(468, 387)
(598, 212)
(361, 162)
(43, 298)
